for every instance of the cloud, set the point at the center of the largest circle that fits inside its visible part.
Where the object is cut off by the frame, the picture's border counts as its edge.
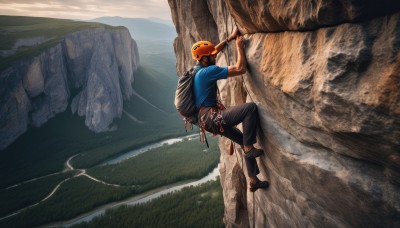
(86, 9)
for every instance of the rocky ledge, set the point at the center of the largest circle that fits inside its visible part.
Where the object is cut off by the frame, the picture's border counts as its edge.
(326, 78)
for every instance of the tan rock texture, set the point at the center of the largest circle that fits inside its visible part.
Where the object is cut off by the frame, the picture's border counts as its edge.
(326, 78)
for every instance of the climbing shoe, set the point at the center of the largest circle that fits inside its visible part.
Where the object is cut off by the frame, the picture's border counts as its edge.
(253, 153)
(258, 184)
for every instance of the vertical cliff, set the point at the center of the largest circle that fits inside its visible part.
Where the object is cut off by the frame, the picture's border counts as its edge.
(90, 70)
(326, 78)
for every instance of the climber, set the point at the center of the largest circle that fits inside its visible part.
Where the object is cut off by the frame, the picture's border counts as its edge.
(213, 117)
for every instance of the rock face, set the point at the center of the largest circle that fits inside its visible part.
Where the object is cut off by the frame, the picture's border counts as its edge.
(326, 78)
(91, 69)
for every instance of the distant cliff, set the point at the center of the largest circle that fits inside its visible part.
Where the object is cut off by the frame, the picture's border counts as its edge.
(91, 70)
(326, 78)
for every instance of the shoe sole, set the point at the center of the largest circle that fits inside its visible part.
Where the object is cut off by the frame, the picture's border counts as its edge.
(253, 189)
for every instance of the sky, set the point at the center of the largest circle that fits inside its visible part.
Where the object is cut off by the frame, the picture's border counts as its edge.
(86, 9)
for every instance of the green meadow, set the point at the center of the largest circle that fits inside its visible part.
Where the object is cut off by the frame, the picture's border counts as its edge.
(13, 28)
(164, 166)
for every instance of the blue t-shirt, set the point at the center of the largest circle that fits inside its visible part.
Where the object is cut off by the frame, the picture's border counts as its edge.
(205, 84)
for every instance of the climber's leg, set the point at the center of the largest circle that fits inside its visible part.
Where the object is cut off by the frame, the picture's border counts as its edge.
(236, 135)
(247, 115)
(252, 167)
(233, 134)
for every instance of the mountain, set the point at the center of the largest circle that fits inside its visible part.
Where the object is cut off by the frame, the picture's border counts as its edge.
(154, 39)
(326, 81)
(51, 64)
(162, 21)
(142, 29)
(90, 69)
(148, 115)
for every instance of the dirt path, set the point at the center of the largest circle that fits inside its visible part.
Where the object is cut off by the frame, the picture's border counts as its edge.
(69, 167)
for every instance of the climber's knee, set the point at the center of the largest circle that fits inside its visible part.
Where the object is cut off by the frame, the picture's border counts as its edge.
(252, 107)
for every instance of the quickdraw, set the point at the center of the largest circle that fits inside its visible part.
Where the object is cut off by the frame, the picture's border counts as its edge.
(203, 137)
(188, 123)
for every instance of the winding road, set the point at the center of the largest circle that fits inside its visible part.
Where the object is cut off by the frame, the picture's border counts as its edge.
(82, 172)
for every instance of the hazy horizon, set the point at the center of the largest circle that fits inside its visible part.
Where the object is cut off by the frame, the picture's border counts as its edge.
(87, 9)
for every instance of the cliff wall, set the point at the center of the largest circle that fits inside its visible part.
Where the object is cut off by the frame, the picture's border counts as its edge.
(326, 78)
(90, 70)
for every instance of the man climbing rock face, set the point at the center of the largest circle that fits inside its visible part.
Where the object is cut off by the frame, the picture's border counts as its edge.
(213, 117)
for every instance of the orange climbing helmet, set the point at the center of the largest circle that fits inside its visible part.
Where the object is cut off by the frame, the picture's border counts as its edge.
(203, 48)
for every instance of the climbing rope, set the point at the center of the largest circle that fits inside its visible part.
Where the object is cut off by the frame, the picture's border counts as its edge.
(227, 57)
(254, 213)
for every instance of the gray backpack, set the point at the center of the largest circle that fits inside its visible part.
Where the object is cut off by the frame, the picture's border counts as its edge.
(185, 101)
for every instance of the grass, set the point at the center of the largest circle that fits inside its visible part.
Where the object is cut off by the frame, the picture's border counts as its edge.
(13, 28)
(29, 193)
(162, 166)
(74, 197)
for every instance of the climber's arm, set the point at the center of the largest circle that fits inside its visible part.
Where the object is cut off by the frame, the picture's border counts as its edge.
(240, 67)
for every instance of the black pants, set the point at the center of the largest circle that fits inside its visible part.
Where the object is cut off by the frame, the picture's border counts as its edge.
(223, 122)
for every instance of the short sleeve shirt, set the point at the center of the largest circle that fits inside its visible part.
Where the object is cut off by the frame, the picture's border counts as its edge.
(205, 85)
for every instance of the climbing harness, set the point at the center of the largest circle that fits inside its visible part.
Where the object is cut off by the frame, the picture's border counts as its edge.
(214, 113)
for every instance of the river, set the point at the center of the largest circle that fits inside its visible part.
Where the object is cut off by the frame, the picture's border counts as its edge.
(142, 198)
(152, 194)
(141, 150)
